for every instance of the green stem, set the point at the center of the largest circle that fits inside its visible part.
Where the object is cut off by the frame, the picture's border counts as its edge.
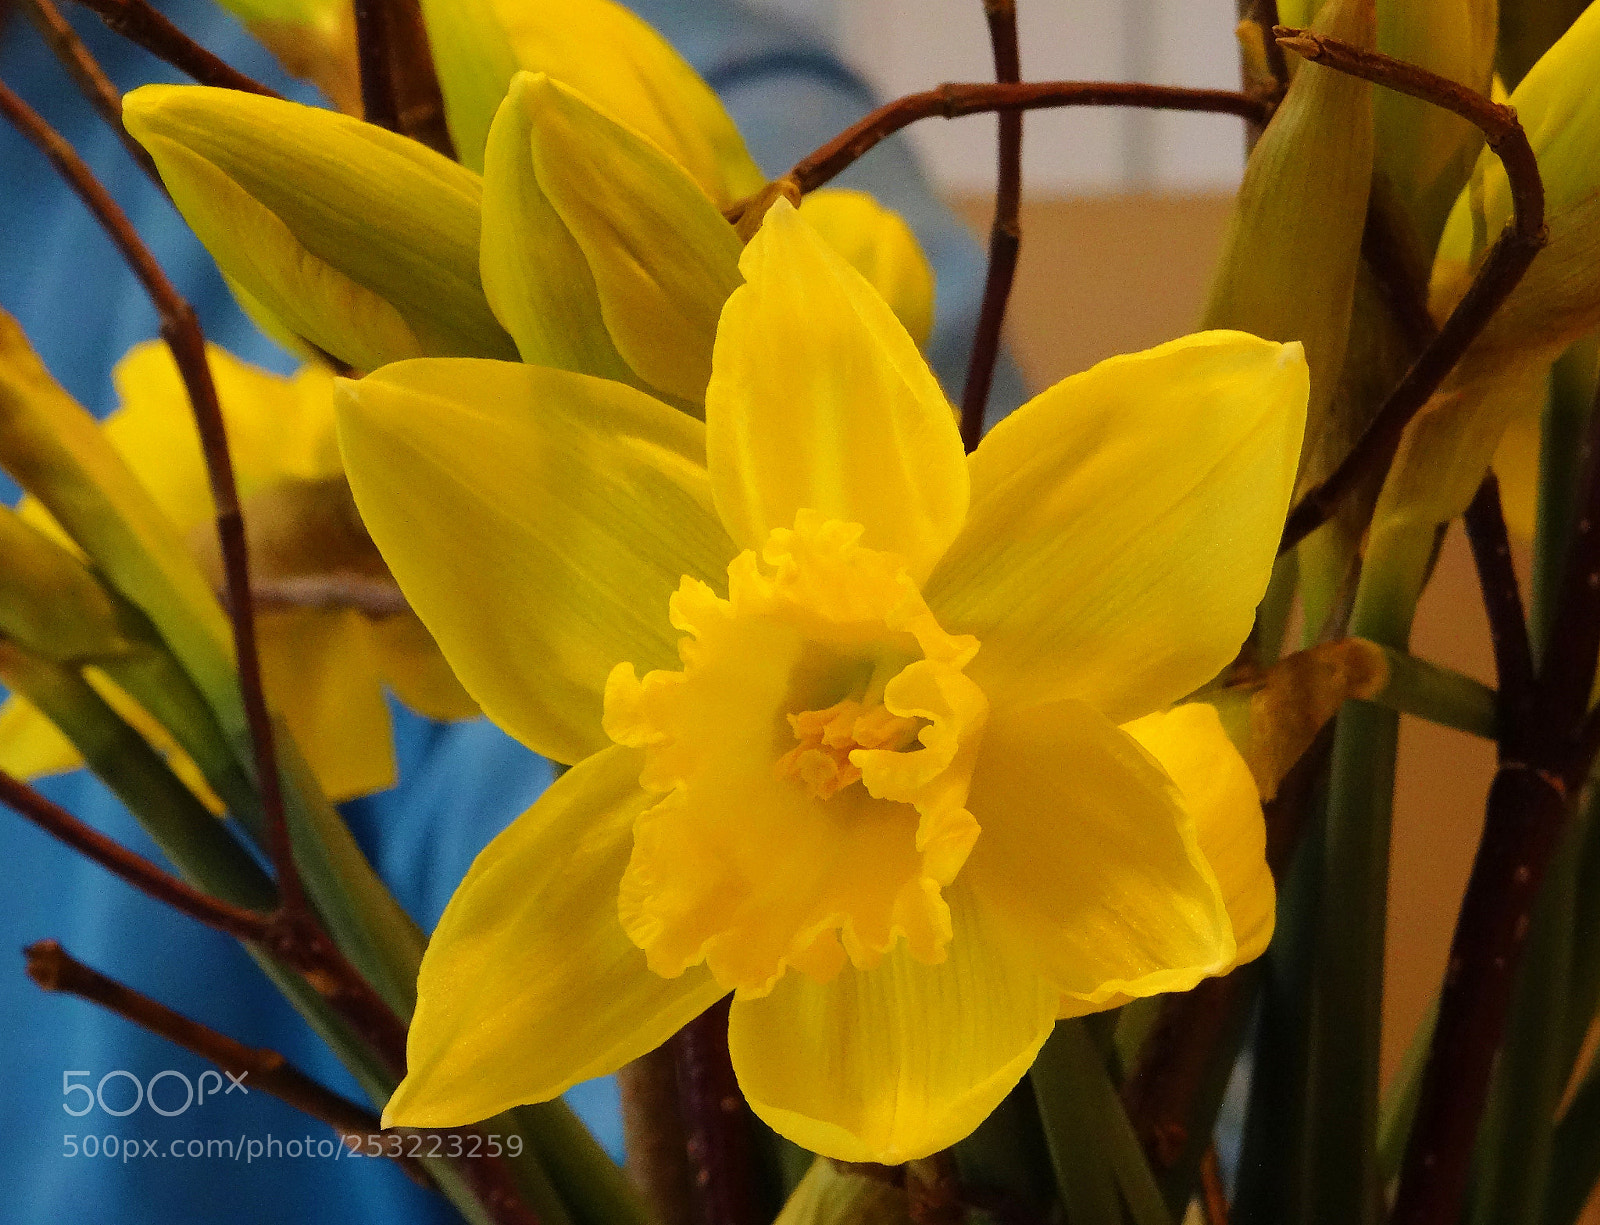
(1347, 1019)
(1438, 694)
(1562, 429)
(1512, 1160)
(1093, 1148)
(1273, 1166)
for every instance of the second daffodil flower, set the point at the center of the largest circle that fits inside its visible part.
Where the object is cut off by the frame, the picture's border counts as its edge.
(844, 702)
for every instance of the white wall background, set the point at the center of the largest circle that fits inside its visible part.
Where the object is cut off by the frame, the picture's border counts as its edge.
(907, 45)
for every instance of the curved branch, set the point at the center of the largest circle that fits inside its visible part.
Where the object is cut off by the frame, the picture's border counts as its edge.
(1499, 274)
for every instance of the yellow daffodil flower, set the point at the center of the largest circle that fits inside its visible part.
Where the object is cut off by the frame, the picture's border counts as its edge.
(844, 702)
(325, 667)
(595, 236)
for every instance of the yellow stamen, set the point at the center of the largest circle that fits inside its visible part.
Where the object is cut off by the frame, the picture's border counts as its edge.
(821, 759)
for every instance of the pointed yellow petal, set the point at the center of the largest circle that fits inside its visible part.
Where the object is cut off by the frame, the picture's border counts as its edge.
(278, 428)
(1124, 524)
(878, 244)
(603, 51)
(1220, 795)
(538, 521)
(534, 272)
(413, 666)
(363, 242)
(663, 257)
(890, 1064)
(820, 401)
(529, 984)
(320, 673)
(30, 745)
(1087, 852)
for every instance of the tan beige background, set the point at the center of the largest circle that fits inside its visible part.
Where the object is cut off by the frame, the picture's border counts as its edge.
(1111, 274)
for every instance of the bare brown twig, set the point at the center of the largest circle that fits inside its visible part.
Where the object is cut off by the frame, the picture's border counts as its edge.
(180, 328)
(54, 969)
(718, 1127)
(953, 101)
(140, 23)
(1508, 626)
(375, 59)
(1547, 748)
(236, 921)
(1499, 274)
(1005, 233)
(91, 79)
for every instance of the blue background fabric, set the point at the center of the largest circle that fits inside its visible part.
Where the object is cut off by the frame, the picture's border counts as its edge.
(460, 784)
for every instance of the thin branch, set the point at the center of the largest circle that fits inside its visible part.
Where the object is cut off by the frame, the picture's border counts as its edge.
(1499, 274)
(91, 79)
(954, 101)
(140, 23)
(376, 598)
(653, 1135)
(180, 328)
(1546, 753)
(1567, 673)
(235, 921)
(1265, 14)
(1005, 233)
(374, 35)
(419, 101)
(715, 1114)
(1502, 600)
(54, 969)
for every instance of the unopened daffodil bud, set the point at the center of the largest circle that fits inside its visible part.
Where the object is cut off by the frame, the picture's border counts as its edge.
(603, 51)
(831, 1195)
(600, 253)
(332, 232)
(1424, 151)
(603, 256)
(1288, 269)
(56, 451)
(325, 661)
(1448, 446)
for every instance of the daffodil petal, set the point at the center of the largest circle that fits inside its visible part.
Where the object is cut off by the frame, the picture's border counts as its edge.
(1220, 795)
(363, 242)
(414, 667)
(529, 984)
(819, 400)
(663, 257)
(278, 428)
(534, 272)
(538, 521)
(319, 673)
(602, 50)
(879, 245)
(1124, 524)
(890, 1064)
(30, 745)
(1088, 853)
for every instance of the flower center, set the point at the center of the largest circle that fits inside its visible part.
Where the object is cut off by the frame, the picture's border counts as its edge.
(821, 760)
(809, 766)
